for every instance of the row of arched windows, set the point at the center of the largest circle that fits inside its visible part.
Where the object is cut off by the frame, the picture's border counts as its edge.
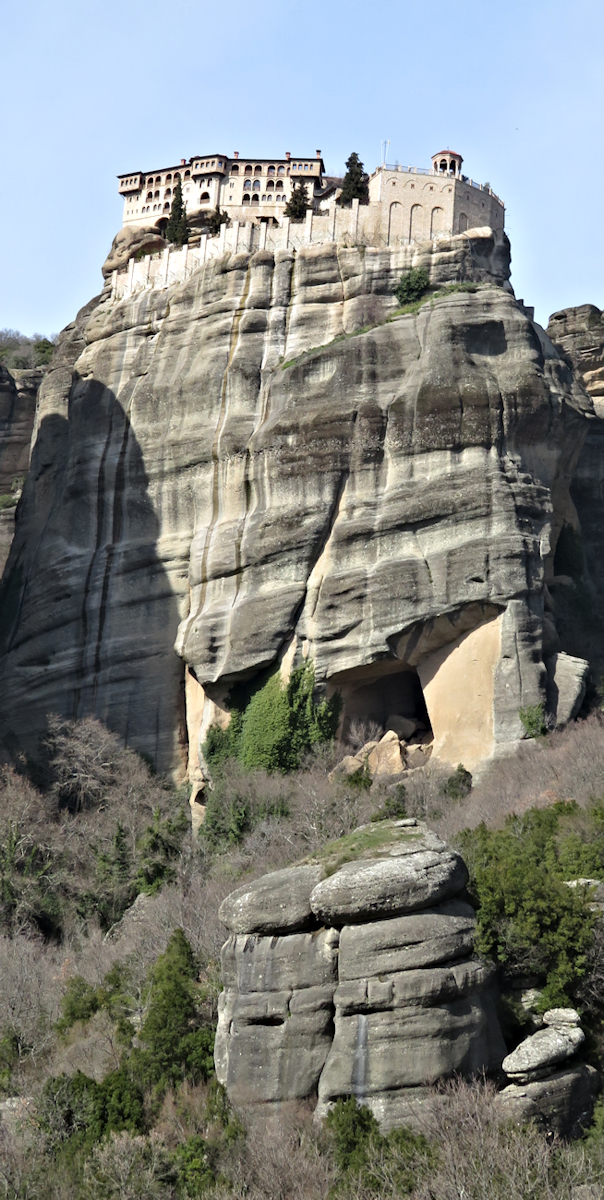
(169, 178)
(256, 199)
(257, 170)
(256, 186)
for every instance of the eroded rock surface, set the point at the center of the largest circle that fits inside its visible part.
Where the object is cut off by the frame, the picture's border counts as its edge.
(378, 1009)
(238, 467)
(18, 395)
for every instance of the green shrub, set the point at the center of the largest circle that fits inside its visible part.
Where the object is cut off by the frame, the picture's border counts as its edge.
(80, 1002)
(413, 284)
(275, 725)
(361, 1151)
(533, 719)
(230, 815)
(394, 806)
(528, 920)
(458, 785)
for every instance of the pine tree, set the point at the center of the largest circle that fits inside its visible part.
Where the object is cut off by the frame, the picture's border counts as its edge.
(298, 202)
(177, 229)
(356, 182)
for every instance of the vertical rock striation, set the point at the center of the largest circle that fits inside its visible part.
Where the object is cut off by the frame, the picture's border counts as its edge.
(267, 461)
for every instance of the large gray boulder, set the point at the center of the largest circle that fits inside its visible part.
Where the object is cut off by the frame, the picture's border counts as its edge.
(378, 1009)
(388, 887)
(276, 903)
(423, 939)
(543, 1050)
(563, 1103)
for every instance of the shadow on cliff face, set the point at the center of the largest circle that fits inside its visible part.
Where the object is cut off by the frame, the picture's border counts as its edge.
(87, 614)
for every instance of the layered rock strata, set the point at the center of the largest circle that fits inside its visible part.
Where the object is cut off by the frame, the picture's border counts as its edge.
(545, 1087)
(18, 395)
(354, 974)
(266, 463)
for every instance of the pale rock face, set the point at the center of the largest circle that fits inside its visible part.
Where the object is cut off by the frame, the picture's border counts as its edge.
(387, 758)
(129, 241)
(377, 1009)
(230, 467)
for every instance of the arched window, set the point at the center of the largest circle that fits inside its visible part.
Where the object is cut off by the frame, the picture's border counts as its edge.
(256, 199)
(443, 164)
(257, 185)
(263, 199)
(205, 196)
(176, 176)
(271, 171)
(415, 224)
(436, 221)
(168, 179)
(246, 199)
(247, 186)
(156, 196)
(270, 186)
(187, 174)
(278, 184)
(395, 223)
(280, 170)
(149, 195)
(234, 169)
(463, 222)
(158, 178)
(248, 169)
(168, 192)
(257, 170)
(166, 208)
(150, 181)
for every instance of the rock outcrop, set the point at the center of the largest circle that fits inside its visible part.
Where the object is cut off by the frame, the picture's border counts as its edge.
(558, 1098)
(354, 974)
(265, 462)
(17, 412)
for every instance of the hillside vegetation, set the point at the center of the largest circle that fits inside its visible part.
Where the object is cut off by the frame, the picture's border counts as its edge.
(109, 974)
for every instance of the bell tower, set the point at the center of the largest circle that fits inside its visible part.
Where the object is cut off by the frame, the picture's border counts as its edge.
(447, 162)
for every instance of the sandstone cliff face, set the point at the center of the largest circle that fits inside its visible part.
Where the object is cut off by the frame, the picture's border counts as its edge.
(578, 334)
(258, 465)
(354, 975)
(17, 411)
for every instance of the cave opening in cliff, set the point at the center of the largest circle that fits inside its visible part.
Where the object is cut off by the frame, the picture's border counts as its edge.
(383, 696)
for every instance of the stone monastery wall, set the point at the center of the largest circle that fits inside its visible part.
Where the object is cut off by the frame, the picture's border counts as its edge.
(360, 225)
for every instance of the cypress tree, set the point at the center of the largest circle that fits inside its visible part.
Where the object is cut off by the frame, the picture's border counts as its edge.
(298, 202)
(356, 182)
(177, 229)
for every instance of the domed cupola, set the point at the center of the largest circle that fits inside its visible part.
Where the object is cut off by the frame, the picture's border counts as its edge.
(446, 162)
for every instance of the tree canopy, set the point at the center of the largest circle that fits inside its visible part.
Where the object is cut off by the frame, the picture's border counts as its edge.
(356, 182)
(177, 229)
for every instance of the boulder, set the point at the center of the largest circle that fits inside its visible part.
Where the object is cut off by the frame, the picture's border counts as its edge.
(378, 1052)
(378, 1009)
(272, 1046)
(275, 964)
(562, 1104)
(404, 727)
(388, 887)
(537, 1054)
(388, 757)
(129, 241)
(422, 939)
(417, 756)
(567, 685)
(276, 903)
(561, 1016)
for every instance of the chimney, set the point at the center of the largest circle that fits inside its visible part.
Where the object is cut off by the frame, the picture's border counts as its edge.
(318, 153)
(183, 162)
(235, 154)
(288, 154)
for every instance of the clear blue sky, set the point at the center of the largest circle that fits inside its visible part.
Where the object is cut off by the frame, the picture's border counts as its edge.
(94, 89)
